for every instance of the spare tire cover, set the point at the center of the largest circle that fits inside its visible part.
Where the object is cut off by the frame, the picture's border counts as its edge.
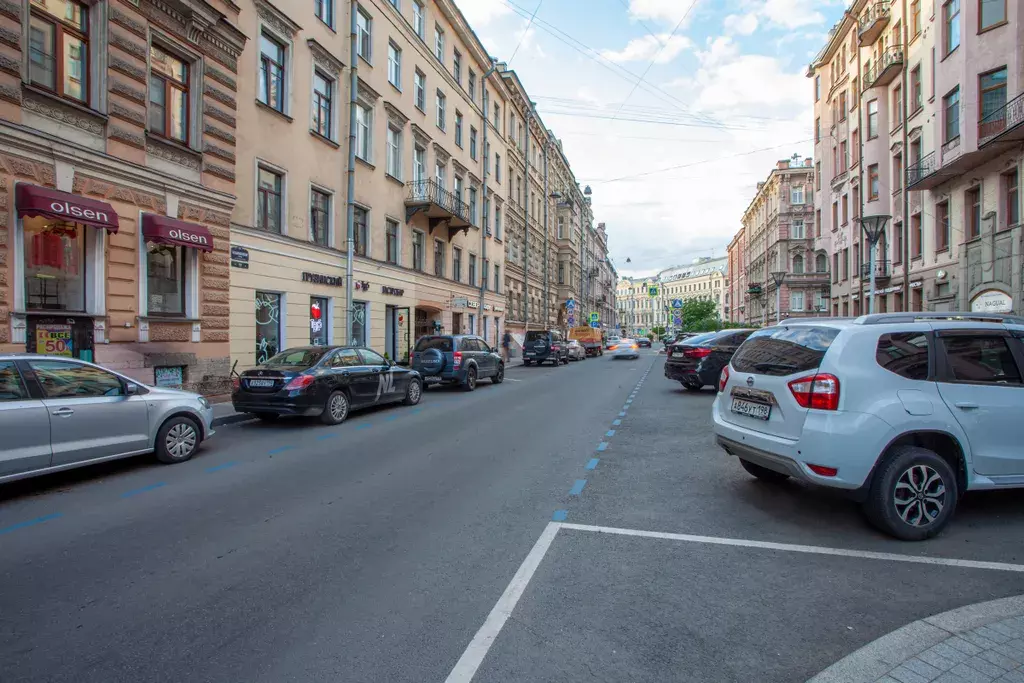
(432, 361)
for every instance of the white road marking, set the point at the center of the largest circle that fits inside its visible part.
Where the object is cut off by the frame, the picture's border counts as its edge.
(509, 379)
(793, 548)
(474, 655)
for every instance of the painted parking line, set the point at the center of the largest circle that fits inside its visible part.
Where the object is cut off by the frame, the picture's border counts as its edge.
(622, 414)
(610, 432)
(560, 515)
(602, 446)
(593, 463)
(616, 422)
(365, 425)
(282, 449)
(28, 523)
(577, 488)
(324, 437)
(218, 468)
(509, 379)
(144, 489)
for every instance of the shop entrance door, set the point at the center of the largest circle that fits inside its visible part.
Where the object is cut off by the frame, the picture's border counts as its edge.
(390, 338)
(456, 323)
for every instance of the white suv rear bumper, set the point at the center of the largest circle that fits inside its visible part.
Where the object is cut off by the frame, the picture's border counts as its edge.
(848, 442)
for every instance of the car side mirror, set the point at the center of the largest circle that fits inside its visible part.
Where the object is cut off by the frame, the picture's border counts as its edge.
(131, 389)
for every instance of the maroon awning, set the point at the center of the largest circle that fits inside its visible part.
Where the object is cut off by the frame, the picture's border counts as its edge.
(34, 200)
(167, 230)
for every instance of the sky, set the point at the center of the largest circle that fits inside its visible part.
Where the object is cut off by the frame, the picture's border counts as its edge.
(671, 110)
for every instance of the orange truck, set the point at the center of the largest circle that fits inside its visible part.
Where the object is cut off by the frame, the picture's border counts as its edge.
(589, 338)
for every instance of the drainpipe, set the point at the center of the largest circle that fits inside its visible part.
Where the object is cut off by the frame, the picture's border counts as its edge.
(861, 134)
(350, 217)
(483, 194)
(906, 157)
(547, 237)
(526, 225)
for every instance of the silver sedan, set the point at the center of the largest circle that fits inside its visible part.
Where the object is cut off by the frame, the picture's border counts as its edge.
(57, 413)
(576, 350)
(625, 348)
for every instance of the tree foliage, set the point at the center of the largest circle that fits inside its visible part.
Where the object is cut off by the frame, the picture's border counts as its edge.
(699, 315)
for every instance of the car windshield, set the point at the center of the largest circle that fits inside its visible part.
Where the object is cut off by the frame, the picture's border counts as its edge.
(303, 358)
(442, 344)
(781, 351)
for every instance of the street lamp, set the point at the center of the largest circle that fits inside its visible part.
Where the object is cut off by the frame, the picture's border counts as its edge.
(874, 228)
(778, 277)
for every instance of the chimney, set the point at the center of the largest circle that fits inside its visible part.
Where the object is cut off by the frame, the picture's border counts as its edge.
(808, 162)
(783, 165)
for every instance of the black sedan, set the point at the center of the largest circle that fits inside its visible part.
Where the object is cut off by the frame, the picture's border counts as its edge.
(698, 361)
(324, 381)
(643, 343)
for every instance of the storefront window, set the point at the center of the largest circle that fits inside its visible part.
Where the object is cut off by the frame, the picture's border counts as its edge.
(318, 320)
(268, 325)
(54, 265)
(165, 279)
(359, 323)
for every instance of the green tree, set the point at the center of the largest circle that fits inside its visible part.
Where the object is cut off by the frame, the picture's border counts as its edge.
(699, 315)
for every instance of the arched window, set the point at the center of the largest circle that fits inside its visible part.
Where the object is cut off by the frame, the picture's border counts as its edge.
(821, 263)
(798, 265)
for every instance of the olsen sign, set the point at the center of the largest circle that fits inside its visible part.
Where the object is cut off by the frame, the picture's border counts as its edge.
(193, 238)
(66, 209)
(992, 301)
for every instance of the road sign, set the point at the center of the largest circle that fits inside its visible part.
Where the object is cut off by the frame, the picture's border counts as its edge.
(572, 320)
(677, 320)
(570, 305)
(594, 317)
(677, 303)
(595, 324)
(652, 291)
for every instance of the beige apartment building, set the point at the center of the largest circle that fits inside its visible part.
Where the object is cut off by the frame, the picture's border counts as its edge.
(639, 311)
(918, 118)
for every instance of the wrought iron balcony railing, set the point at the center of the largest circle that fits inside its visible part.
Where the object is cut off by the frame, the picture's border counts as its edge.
(1006, 117)
(429, 192)
(883, 269)
(921, 170)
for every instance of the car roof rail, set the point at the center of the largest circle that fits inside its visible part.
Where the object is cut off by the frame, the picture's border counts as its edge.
(813, 320)
(930, 316)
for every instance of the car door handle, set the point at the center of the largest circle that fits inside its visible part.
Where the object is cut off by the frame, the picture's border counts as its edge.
(963, 405)
(63, 412)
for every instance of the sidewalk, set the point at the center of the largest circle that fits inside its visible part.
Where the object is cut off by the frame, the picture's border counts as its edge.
(224, 413)
(980, 643)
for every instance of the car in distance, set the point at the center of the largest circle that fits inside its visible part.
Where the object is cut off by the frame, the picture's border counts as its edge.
(643, 343)
(324, 381)
(698, 361)
(59, 413)
(576, 350)
(906, 411)
(545, 346)
(610, 342)
(461, 359)
(625, 348)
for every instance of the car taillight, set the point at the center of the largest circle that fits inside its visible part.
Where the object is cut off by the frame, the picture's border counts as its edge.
(613, 347)
(823, 471)
(819, 391)
(299, 382)
(697, 353)
(723, 379)
(635, 346)
(236, 383)
(458, 358)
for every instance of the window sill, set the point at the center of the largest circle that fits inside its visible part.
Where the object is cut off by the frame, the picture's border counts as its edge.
(168, 319)
(993, 27)
(914, 113)
(916, 259)
(366, 163)
(943, 250)
(949, 54)
(394, 179)
(365, 60)
(329, 27)
(263, 105)
(173, 144)
(60, 314)
(64, 102)
(420, 109)
(396, 88)
(325, 140)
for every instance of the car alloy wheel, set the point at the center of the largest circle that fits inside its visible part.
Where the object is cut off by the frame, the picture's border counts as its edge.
(181, 440)
(919, 495)
(499, 377)
(336, 409)
(414, 393)
(471, 379)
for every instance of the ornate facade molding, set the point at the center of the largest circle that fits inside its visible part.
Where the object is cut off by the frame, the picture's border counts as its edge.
(11, 38)
(122, 19)
(200, 24)
(126, 136)
(127, 114)
(11, 9)
(219, 95)
(421, 136)
(64, 113)
(128, 92)
(219, 114)
(218, 170)
(395, 115)
(323, 58)
(127, 68)
(367, 94)
(459, 168)
(128, 45)
(278, 20)
(173, 153)
(216, 132)
(215, 150)
(441, 153)
(221, 77)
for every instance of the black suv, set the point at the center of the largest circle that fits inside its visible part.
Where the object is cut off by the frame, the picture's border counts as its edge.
(542, 346)
(456, 359)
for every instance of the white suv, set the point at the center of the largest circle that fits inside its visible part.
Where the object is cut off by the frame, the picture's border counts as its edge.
(906, 410)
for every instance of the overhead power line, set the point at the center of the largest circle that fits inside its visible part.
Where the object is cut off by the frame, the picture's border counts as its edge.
(526, 30)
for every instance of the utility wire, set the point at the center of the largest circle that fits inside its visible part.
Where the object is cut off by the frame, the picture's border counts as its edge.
(526, 30)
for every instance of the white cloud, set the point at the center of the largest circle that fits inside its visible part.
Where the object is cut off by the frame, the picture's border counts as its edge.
(480, 13)
(662, 48)
(661, 10)
(740, 24)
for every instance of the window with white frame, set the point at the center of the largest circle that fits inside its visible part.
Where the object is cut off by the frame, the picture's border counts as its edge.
(458, 128)
(420, 87)
(272, 72)
(167, 269)
(497, 168)
(393, 166)
(323, 105)
(457, 264)
(497, 222)
(798, 265)
(458, 187)
(364, 133)
(364, 35)
(796, 230)
(497, 278)
(561, 227)
(457, 66)
(417, 250)
(471, 89)
(325, 11)
(396, 4)
(472, 205)
(419, 19)
(419, 164)
(439, 43)
(439, 253)
(442, 102)
(319, 217)
(440, 175)
(472, 143)
(796, 194)
(796, 301)
(394, 65)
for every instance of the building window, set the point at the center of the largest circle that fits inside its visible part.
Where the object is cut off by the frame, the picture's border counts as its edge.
(972, 204)
(915, 19)
(817, 176)
(472, 269)
(842, 106)
(394, 65)
(391, 241)
(951, 107)
(59, 48)
(472, 143)
(458, 187)
(916, 94)
(358, 323)
(393, 162)
(439, 44)
(364, 132)
(497, 119)
(420, 86)
(817, 130)
(561, 272)
(472, 205)
(419, 22)
(168, 95)
(458, 128)
(441, 103)
(993, 13)
(942, 226)
(846, 209)
(872, 119)
(497, 278)
(817, 223)
(797, 231)
(796, 194)
(497, 168)
(419, 166)
(897, 238)
(319, 307)
(268, 326)
(396, 4)
(319, 217)
(472, 86)
(55, 259)
(457, 264)
(417, 250)
(872, 182)
(897, 172)
(796, 301)
(360, 230)
(915, 236)
(323, 105)
(561, 227)
(325, 11)
(440, 175)
(1011, 194)
(439, 258)
(951, 21)
(993, 93)
(821, 263)
(364, 33)
(268, 200)
(497, 222)
(272, 83)
(165, 279)
(457, 66)
(897, 106)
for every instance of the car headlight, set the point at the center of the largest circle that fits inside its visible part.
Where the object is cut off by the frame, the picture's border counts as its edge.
(204, 403)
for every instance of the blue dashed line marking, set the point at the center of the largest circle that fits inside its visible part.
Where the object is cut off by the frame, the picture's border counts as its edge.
(218, 468)
(616, 422)
(593, 463)
(365, 425)
(610, 432)
(325, 437)
(577, 488)
(144, 489)
(31, 522)
(282, 449)
(602, 446)
(391, 418)
(416, 410)
(560, 515)
(622, 414)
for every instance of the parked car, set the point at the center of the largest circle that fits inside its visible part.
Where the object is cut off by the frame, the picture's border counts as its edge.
(698, 361)
(610, 342)
(643, 343)
(324, 381)
(57, 413)
(625, 348)
(576, 350)
(904, 410)
(543, 346)
(460, 359)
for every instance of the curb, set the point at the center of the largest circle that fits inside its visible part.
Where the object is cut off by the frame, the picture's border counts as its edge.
(232, 419)
(880, 656)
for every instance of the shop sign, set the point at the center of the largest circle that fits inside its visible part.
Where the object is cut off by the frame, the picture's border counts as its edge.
(992, 301)
(318, 279)
(239, 257)
(361, 286)
(169, 376)
(460, 302)
(54, 340)
(393, 291)
(473, 304)
(487, 307)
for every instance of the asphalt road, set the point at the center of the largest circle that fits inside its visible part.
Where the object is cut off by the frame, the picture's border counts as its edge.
(375, 550)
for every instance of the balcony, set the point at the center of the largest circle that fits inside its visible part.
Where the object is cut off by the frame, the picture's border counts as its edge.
(873, 22)
(1003, 125)
(883, 270)
(754, 290)
(885, 70)
(441, 207)
(808, 278)
(922, 175)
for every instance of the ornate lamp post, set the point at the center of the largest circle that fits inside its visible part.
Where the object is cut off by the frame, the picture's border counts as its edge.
(874, 228)
(778, 277)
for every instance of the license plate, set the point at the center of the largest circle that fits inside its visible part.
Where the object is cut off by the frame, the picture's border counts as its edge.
(261, 383)
(433, 378)
(759, 410)
(530, 353)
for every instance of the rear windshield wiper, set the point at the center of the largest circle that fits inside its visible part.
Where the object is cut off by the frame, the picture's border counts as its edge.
(772, 366)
